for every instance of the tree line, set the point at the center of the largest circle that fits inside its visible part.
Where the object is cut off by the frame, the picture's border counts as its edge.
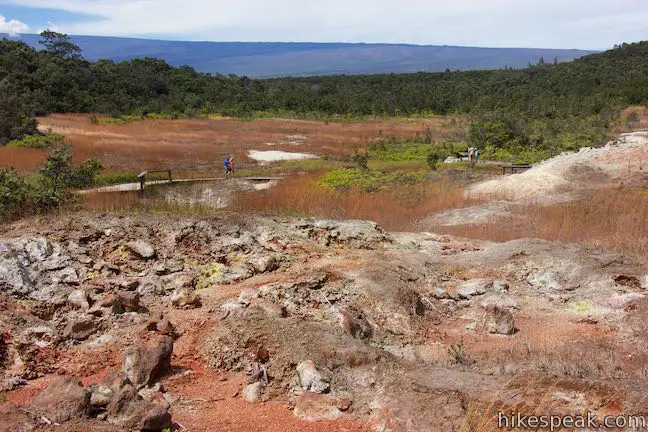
(512, 109)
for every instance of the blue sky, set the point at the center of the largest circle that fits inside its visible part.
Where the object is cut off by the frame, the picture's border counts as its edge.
(587, 24)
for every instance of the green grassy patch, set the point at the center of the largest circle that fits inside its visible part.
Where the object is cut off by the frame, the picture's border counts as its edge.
(369, 180)
(119, 120)
(130, 118)
(37, 141)
(109, 179)
(398, 150)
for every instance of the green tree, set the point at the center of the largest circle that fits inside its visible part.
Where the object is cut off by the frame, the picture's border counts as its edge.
(57, 172)
(59, 45)
(15, 121)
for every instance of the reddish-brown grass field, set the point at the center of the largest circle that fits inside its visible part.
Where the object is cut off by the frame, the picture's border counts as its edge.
(612, 219)
(177, 144)
(609, 220)
(395, 208)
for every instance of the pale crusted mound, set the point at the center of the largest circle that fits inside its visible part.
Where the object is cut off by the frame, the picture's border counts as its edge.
(570, 171)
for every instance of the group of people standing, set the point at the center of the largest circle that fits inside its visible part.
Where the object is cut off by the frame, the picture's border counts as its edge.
(473, 153)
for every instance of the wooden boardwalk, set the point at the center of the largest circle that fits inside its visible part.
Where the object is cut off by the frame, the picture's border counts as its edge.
(129, 187)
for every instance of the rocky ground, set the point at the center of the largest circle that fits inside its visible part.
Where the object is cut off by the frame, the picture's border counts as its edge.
(255, 324)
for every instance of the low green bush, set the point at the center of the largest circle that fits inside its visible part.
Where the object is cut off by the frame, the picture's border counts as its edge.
(37, 141)
(14, 194)
(436, 155)
(124, 119)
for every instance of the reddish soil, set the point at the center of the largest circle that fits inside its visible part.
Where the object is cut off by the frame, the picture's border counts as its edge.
(215, 397)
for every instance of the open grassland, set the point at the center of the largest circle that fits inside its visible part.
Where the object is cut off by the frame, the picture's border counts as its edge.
(396, 190)
(394, 206)
(201, 143)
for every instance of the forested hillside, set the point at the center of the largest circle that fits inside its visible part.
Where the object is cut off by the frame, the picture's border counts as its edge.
(279, 59)
(533, 109)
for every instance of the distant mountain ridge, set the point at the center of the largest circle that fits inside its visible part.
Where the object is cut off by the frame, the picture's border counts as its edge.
(279, 59)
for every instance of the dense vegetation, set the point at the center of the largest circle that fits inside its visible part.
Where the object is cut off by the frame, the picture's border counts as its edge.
(46, 189)
(534, 112)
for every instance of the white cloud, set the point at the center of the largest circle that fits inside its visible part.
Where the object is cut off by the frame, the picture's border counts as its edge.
(12, 27)
(550, 23)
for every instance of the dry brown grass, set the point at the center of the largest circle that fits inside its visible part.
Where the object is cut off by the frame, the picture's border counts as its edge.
(394, 209)
(22, 159)
(133, 203)
(613, 219)
(177, 144)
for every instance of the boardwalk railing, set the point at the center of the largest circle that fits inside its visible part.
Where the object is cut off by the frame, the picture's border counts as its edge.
(142, 177)
(169, 177)
(515, 168)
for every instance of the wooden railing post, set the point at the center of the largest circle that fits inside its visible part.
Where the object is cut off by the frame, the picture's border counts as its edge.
(142, 180)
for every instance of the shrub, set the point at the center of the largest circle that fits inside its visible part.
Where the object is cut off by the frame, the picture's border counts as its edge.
(435, 155)
(57, 169)
(84, 175)
(48, 188)
(13, 194)
(51, 188)
(458, 354)
(362, 160)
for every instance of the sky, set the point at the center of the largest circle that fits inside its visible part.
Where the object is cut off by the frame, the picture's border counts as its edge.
(584, 24)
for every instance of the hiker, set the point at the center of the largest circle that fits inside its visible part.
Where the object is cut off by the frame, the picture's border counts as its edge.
(227, 165)
(471, 154)
(476, 154)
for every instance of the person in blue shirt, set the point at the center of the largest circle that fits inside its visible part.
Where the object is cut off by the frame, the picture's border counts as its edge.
(228, 166)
